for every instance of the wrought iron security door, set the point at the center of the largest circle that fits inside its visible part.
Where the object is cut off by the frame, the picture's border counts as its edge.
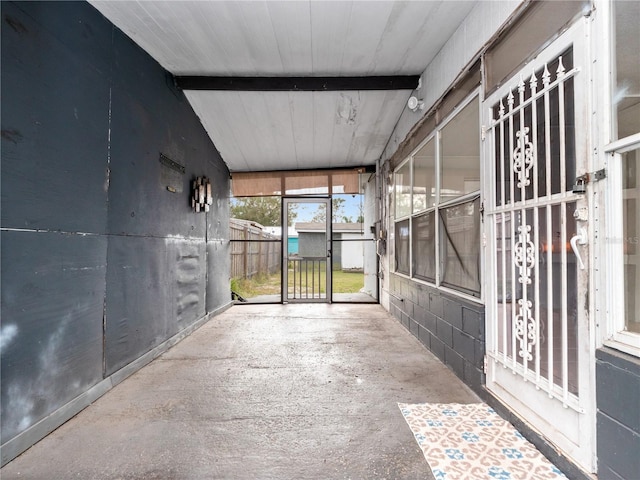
(538, 344)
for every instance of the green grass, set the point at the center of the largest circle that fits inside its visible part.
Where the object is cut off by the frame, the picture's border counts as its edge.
(347, 282)
(259, 285)
(343, 282)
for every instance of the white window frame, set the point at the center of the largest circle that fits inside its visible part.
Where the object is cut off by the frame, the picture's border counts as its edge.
(435, 135)
(612, 282)
(616, 336)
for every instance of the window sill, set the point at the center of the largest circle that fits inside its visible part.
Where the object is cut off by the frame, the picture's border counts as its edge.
(625, 342)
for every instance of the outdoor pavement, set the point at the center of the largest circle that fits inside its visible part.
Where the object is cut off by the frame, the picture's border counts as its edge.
(298, 391)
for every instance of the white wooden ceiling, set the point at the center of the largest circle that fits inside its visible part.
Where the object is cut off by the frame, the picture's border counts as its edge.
(290, 130)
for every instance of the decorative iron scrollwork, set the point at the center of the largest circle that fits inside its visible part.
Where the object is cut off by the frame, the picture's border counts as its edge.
(525, 325)
(524, 254)
(523, 157)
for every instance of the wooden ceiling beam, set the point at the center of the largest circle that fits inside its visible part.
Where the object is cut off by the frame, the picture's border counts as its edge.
(297, 84)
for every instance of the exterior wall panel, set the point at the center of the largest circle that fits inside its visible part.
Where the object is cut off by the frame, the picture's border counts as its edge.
(54, 126)
(101, 263)
(155, 288)
(618, 391)
(51, 335)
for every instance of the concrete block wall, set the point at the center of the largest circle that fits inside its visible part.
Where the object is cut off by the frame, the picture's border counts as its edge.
(618, 417)
(449, 326)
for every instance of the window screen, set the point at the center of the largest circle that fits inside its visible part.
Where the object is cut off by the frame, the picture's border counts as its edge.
(527, 35)
(626, 95)
(424, 177)
(402, 182)
(402, 247)
(437, 205)
(461, 154)
(631, 224)
(460, 242)
(424, 246)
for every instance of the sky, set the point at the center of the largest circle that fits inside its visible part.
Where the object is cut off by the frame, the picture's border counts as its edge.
(351, 208)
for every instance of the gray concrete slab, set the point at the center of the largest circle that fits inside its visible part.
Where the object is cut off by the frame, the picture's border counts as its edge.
(305, 391)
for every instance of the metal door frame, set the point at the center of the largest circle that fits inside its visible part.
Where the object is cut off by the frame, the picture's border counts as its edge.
(286, 200)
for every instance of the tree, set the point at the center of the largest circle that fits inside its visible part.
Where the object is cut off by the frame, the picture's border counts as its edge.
(263, 210)
(337, 214)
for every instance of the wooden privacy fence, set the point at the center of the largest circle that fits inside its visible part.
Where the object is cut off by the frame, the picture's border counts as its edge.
(253, 251)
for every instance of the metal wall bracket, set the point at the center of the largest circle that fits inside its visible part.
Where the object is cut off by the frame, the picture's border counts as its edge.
(580, 183)
(592, 176)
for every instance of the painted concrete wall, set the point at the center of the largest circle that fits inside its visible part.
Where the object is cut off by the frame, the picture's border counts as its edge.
(453, 329)
(485, 21)
(473, 33)
(618, 417)
(352, 252)
(436, 318)
(101, 263)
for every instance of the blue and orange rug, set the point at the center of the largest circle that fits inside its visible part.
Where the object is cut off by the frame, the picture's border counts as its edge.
(471, 441)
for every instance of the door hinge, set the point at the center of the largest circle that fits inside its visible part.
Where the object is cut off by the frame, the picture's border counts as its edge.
(485, 364)
(483, 133)
(484, 239)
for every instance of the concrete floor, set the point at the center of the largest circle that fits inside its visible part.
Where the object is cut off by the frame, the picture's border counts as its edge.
(336, 297)
(304, 391)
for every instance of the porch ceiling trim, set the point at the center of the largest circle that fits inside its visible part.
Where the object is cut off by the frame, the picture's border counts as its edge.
(297, 84)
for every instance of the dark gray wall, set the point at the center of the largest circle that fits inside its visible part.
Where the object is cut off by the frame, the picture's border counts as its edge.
(100, 262)
(618, 402)
(451, 327)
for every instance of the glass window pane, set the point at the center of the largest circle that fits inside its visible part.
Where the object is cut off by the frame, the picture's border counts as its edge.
(626, 94)
(424, 177)
(402, 247)
(402, 182)
(460, 142)
(460, 246)
(424, 246)
(631, 236)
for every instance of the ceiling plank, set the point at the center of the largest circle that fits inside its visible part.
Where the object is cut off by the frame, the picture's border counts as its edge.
(293, 84)
(297, 84)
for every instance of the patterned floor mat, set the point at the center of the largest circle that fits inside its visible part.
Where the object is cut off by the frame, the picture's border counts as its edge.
(472, 442)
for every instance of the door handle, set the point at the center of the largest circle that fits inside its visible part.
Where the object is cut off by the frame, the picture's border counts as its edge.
(579, 238)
